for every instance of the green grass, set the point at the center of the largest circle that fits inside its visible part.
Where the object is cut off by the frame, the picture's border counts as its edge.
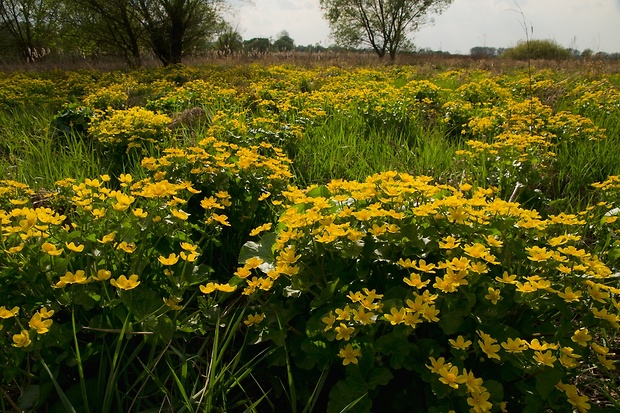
(32, 154)
(350, 146)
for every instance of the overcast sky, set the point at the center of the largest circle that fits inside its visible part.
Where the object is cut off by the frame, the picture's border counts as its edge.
(580, 24)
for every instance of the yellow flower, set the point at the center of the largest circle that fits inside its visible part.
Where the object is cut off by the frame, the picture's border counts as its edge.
(70, 278)
(538, 254)
(608, 364)
(37, 322)
(460, 343)
(574, 398)
(415, 281)
(535, 344)
(127, 247)
(493, 295)
(180, 214)
(222, 219)
(488, 345)
(226, 288)
(171, 260)
(208, 288)
(125, 283)
(569, 295)
(102, 275)
(16, 249)
(329, 320)
(451, 377)
(395, 316)
(243, 272)
(22, 339)
(140, 213)
(125, 179)
(472, 382)
(107, 238)
(581, 337)
(349, 354)
(50, 249)
(479, 401)
(45, 313)
(437, 364)
(449, 242)
(546, 358)
(507, 279)
(363, 317)
(343, 332)
(514, 345)
(75, 248)
(188, 257)
(260, 229)
(189, 247)
(254, 319)
(173, 303)
(4, 313)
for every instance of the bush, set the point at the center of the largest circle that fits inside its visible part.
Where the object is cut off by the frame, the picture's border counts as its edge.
(96, 290)
(433, 298)
(537, 49)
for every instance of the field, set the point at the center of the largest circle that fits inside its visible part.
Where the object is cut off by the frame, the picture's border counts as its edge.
(253, 237)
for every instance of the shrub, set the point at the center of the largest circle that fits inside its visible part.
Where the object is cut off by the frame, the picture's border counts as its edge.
(97, 289)
(537, 49)
(433, 298)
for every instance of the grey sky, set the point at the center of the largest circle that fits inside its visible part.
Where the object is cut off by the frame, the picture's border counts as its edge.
(580, 24)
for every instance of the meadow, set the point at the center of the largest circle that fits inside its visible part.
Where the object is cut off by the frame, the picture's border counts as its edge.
(339, 238)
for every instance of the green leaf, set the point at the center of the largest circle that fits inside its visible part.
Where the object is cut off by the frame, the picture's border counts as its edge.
(546, 381)
(395, 346)
(348, 396)
(261, 249)
(142, 302)
(30, 397)
(379, 376)
(319, 191)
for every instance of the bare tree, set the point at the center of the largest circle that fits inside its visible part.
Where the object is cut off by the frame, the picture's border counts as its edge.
(381, 24)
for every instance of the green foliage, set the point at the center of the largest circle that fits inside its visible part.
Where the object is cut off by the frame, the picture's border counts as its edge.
(537, 49)
(472, 297)
(381, 24)
(208, 281)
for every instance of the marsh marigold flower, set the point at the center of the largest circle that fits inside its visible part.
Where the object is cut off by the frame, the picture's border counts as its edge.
(125, 283)
(70, 278)
(581, 337)
(254, 319)
(22, 339)
(349, 354)
(39, 324)
(4, 313)
(170, 260)
(51, 249)
(460, 343)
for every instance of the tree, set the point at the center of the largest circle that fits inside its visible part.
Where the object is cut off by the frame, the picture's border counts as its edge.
(381, 24)
(258, 45)
(109, 25)
(31, 24)
(175, 27)
(284, 42)
(229, 42)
